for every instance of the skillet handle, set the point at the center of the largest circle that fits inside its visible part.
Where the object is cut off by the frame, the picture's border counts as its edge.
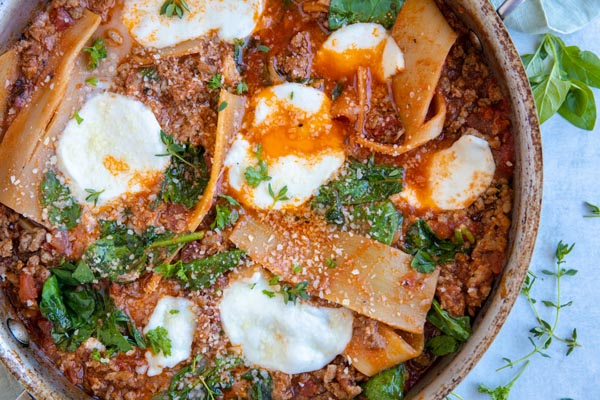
(508, 7)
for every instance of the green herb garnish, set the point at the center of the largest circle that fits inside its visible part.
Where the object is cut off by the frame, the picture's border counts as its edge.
(158, 340)
(262, 48)
(92, 81)
(174, 7)
(380, 221)
(241, 87)
(502, 392)
(560, 77)
(455, 330)
(361, 183)
(215, 82)
(150, 73)
(255, 175)
(204, 272)
(224, 218)
(344, 12)
(281, 195)
(428, 249)
(63, 210)
(544, 334)
(187, 176)
(292, 293)
(262, 384)
(93, 196)
(97, 52)
(268, 293)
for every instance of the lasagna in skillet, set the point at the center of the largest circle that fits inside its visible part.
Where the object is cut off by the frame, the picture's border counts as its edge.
(252, 199)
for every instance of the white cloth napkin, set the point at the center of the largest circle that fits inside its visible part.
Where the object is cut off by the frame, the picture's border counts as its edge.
(557, 16)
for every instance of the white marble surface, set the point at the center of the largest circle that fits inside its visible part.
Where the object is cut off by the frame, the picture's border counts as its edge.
(571, 176)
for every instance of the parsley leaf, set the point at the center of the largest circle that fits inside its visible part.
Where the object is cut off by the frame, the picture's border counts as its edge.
(279, 196)
(344, 12)
(215, 82)
(255, 175)
(224, 218)
(187, 176)
(158, 340)
(292, 293)
(204, 272)
(94, 195)
(97, 52)
(63, 210)
(174, 7)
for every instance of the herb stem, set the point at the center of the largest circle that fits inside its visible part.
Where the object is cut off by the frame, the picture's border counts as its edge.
(181, 239)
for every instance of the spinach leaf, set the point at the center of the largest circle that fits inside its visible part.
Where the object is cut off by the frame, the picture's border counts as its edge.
(120, 253)
(80, 312)
(204, 382)
(459, 328)
(361, 183)
(262, 384)
(204, 272)
(343, 12)
(387, 385)
(428, 249)
(187, 176)
(442, 345)
(379, 220)
(63, 210)
(560, 77)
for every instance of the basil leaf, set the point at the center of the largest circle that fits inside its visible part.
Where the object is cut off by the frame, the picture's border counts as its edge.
(459, 328)
(579, 107)
(442, 345)
(63, 210)
(204, 272)
(344, 12)
(387, 385)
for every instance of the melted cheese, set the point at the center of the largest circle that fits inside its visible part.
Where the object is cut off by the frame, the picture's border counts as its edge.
(291, 338)
(176, 315)
(113, 149)
(360, 45)
(456, 176)
(302, 146)
(230, 18)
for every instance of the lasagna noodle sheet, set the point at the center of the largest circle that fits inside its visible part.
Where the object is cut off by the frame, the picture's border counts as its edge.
(228, 123)
(425, 38)
(371, 360)
(26, 146)
(9, 68)
(368, 277)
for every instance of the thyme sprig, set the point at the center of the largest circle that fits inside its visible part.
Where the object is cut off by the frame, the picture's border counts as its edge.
(593, 209)
(544, 333)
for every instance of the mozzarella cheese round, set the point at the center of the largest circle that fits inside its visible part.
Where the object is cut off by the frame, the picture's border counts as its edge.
(230, 18)
(176, 315)
(113, 148)
(299, 142)
(291, 338)
(360, 45)
(456, 176)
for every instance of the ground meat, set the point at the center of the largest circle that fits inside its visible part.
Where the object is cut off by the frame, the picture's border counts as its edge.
(338, 380)
(177, 90)
(382, 124)
(295, 61)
